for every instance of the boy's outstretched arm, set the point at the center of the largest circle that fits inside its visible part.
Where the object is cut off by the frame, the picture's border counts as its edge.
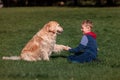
(78, 49)
(81, 47)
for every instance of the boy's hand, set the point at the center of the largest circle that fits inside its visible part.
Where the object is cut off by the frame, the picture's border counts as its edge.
(67, 48)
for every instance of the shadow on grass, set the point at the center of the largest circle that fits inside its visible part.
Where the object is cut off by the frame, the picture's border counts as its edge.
(58, 56)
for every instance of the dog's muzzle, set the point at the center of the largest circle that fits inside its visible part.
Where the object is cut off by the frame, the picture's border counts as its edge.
(60, 30)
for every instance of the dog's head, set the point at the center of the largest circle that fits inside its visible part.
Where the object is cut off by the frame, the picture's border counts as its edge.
(54, 27)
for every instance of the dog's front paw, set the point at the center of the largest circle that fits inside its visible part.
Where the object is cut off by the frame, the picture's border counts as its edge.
(46, 58)
(67, 48)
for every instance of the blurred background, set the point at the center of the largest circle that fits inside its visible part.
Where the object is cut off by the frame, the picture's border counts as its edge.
(80, 3)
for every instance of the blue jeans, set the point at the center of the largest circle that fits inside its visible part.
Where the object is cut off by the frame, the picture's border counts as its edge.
(85, 57)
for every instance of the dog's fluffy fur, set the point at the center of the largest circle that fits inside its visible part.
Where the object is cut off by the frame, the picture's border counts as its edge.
(42, 44)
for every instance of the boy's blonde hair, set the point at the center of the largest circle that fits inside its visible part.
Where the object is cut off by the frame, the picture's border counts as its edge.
(87, 23)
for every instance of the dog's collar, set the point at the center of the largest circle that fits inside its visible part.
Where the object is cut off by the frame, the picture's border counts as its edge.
(52, 32)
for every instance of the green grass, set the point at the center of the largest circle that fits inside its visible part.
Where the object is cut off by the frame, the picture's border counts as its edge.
(18, 25)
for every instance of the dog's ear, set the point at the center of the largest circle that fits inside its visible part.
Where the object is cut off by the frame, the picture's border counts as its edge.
(50, 28)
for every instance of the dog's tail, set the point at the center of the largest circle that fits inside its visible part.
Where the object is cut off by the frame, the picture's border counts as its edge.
(11, 58)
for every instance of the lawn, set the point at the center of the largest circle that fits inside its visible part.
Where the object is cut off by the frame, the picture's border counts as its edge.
(18, 25)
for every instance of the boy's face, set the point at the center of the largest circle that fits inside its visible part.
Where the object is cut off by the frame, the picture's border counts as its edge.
(85, 29)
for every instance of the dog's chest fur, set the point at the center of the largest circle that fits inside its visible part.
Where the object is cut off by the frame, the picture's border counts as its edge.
(49, 42)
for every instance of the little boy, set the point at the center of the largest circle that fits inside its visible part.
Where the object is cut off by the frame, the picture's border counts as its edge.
(86, 51)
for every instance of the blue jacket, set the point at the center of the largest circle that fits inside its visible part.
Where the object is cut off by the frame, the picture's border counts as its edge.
(88, 45)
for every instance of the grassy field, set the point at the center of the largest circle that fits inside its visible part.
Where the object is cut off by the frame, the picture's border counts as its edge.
(18, 25)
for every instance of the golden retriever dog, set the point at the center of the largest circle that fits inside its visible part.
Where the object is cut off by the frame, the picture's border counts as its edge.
(42, 44)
